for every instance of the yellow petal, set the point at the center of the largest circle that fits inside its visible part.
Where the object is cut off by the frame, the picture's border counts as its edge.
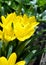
(20, 63)
(33, 21)
(3, 61)
(12, 59)
(3, 20)
(11, 17)
(24, 35)
(25, 18)
(9, 35)
(1, 24)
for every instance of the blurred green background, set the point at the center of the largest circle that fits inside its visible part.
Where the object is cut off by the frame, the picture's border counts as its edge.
(29, 7)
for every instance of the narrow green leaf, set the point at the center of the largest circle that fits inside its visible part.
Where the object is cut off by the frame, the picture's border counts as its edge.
(29, 56)
(1, 42)
(9, 51)
(20, 48)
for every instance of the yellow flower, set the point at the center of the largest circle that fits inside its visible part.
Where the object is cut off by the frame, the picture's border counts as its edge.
(8, 27)
(25, 27)
(11, 60)
(20, 27)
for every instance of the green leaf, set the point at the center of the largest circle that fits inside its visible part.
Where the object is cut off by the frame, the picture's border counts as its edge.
(1, 42)
(33, 55)
(28, 58)
(20, 48)
(9, 51)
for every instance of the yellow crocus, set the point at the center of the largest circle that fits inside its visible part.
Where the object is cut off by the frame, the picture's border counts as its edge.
(20, 27)
(11, 60)
(25, 27)
(8, 30)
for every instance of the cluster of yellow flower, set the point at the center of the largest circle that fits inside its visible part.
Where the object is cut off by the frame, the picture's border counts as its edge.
(11, 60)
(20, 27)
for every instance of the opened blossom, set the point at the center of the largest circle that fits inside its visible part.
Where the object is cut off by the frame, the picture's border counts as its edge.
(11, 60)
(8, 31)
(25, 27)
(20, 27)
